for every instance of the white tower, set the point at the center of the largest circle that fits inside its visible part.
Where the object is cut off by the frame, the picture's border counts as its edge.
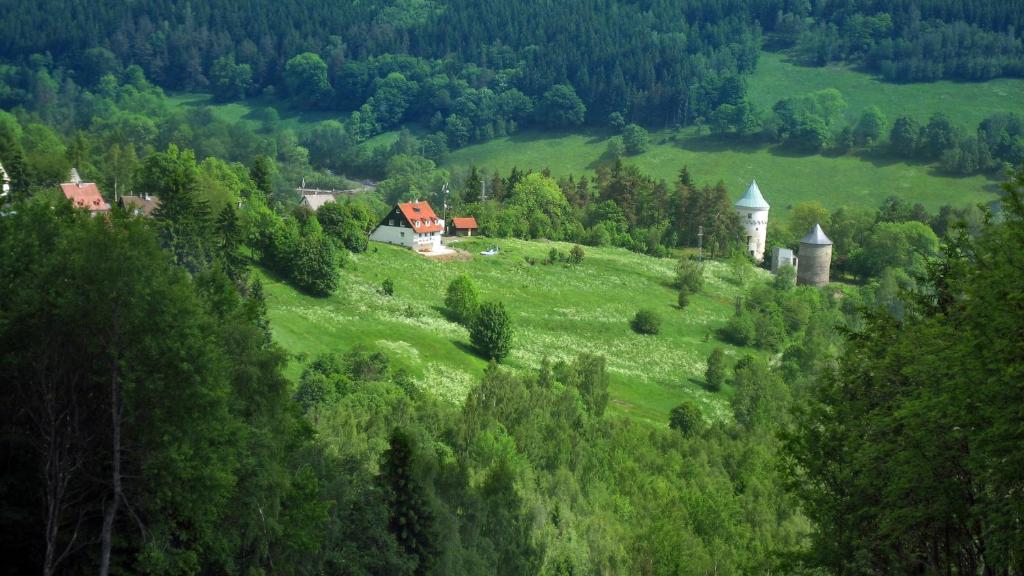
(753, 211)
(5, 182)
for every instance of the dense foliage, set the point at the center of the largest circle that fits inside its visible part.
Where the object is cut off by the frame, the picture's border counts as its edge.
(907, 457)
(143, 411)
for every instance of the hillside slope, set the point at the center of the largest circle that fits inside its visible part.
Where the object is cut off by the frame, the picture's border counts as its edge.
(558, 311)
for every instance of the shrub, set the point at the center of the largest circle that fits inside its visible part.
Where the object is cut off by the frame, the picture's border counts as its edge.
(739, 330)
(635, 139)
(690, 275)
(491, 331)
(715, 375)
(785, 277)
(462, 299)
(684, 298)
(686, 419)
(645, 322)
(387, 287)
(576, 254)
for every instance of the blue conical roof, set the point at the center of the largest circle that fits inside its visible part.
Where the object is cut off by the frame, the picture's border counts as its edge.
(753, 198)
(816, 237)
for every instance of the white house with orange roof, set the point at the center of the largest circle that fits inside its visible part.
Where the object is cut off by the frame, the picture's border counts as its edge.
(84, 195)
(413, 225)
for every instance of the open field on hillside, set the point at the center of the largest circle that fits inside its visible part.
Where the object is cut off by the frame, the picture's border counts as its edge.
(558, 311)
(966, 103)
(785, 180)
(250, 110)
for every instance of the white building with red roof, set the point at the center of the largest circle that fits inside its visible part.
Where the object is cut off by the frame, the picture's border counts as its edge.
(413, 225)
(84, 195)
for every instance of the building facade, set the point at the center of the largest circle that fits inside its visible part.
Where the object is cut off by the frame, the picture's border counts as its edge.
(413, 225)
(753, 211)
(783, 257)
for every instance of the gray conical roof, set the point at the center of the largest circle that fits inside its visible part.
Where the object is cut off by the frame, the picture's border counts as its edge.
(753, 198)
(816, 237)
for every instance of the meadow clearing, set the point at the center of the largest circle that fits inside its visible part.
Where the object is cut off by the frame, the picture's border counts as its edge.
(558, 311)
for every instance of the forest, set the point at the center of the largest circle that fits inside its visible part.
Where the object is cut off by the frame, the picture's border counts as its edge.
(185, 450)
(487, 67)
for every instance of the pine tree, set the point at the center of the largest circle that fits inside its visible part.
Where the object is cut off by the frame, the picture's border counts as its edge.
(411, 519)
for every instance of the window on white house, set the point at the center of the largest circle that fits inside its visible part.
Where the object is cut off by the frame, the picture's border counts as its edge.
(749, 216)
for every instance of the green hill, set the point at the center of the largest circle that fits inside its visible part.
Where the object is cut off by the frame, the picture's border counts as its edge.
(558, 311)
(787, 179)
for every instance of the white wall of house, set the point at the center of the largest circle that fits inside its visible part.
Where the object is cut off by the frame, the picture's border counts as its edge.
(394, 235)
(407, 237)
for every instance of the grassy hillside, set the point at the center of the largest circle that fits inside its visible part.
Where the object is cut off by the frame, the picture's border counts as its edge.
(249, 110)
(966, 103)
(558, 311)
(785, 180)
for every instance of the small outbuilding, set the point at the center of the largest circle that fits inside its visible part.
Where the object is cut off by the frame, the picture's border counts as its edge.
(782, 257)
(413, 225)
(464, 226)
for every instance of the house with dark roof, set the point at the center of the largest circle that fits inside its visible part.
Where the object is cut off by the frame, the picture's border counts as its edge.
(85, 195)
(143, 205)
(411, 224)
(464, 226)
(314, 200)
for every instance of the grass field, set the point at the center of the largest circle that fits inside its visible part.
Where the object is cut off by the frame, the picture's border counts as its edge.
(966, 103)
(558, 311)
(249, 110)
(785, 180)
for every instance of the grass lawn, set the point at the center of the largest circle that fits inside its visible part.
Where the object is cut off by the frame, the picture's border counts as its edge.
(558, 311)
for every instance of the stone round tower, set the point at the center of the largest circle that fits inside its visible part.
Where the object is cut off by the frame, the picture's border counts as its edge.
(815, 258)
(753, 211)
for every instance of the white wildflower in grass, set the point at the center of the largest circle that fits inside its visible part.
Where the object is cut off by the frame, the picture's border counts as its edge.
(445, 382)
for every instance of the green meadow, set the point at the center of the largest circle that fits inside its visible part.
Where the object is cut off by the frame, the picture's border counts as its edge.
(966, 103)
(785, 179)
(558, 311)
(250, 110)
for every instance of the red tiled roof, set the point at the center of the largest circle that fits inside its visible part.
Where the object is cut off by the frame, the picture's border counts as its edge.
(420, 216)
(464, 223)
(85, 195)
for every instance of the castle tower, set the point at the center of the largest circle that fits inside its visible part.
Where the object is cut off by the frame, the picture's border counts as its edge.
(5, 182)
(753, 211)
(815, 258)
